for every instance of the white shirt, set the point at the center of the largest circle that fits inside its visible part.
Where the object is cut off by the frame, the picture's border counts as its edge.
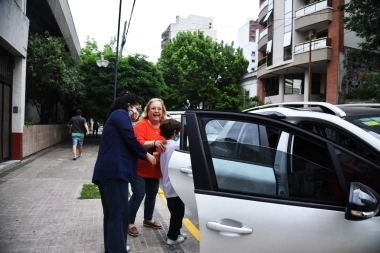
(171, 145)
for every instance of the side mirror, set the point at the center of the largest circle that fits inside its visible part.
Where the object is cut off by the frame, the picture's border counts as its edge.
(363, 202)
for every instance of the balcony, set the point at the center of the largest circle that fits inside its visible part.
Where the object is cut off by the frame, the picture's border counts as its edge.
(263, 10)
(263, 40)
(320, 56)
(313, 16)
(320, 51)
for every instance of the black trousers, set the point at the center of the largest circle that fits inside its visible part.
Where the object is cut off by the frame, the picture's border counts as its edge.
(177, 212)
(114, 197)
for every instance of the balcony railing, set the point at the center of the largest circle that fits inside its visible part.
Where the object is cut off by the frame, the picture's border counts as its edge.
(262, 62)
(313, 7)
(262, 6)
(263, 33)
(315, 44)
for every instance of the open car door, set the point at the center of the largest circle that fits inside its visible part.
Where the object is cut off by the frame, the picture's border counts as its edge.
(265, 185)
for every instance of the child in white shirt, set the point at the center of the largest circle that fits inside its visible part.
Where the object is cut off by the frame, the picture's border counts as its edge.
(170, 130)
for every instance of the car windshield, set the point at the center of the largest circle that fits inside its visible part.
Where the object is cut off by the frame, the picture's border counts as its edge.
(370, 123)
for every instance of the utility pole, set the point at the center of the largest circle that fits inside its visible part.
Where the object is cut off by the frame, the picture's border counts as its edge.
(124, 38)
(117, 54)
(311, 34)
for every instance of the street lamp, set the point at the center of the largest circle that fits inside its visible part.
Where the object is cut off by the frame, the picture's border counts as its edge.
(104, 63)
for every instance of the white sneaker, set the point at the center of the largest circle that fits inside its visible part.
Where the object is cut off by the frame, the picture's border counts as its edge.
(183, 235)
(128, 248)
(172, 242)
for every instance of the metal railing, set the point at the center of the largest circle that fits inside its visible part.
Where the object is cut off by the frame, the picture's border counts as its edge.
(313, 7)
(262, 62)
(315, 44)
(263, 33)
(262, 6)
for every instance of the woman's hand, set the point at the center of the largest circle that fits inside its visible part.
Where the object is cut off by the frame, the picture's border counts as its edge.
(151, 159)
(160, 144)
(157, 155)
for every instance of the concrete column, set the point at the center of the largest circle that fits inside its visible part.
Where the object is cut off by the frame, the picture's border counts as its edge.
(18, 106)
(306, 86)
(281, 88)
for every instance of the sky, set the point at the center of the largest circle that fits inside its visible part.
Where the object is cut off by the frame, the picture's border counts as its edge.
(98, 19)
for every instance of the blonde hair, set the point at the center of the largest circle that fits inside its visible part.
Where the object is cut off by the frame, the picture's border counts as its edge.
(144, 115)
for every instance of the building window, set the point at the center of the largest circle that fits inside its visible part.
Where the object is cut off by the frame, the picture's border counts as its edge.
(271, 86)
(294, 84)
(287, 53)
(269, 53)
(316, 83)
(322, 34)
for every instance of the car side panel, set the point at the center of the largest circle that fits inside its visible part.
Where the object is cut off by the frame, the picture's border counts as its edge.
(281, 228)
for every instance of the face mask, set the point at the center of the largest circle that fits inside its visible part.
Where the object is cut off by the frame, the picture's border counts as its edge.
(133, 113)
(176, 138)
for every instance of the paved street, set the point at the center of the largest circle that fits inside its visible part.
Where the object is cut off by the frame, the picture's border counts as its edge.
(40, 210)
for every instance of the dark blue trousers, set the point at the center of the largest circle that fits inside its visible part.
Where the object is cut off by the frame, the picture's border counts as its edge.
(114, 197)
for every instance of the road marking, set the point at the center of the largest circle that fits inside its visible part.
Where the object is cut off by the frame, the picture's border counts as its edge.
(186, 221)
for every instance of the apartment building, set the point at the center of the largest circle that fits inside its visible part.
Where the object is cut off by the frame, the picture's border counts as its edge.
(17, 19)
(301, 50)
(247, 40)
(191, 23)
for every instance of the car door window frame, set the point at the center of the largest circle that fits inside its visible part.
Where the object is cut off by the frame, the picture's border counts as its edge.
(206, 179)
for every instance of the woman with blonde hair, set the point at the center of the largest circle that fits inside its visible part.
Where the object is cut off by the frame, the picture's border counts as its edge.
(147, 131)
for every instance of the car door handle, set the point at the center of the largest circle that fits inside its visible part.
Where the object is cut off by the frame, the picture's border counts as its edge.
(187, 171)
(225, 228)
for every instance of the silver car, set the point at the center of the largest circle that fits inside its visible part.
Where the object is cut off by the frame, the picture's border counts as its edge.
(267, 185)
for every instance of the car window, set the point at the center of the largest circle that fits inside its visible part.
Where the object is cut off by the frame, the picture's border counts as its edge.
(247, 160)
(341, 138)
(370, 123)
(356, 170)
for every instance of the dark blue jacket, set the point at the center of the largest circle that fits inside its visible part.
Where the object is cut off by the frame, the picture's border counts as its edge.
(119, 150)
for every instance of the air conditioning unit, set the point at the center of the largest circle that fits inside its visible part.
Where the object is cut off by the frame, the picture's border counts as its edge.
(309, 33)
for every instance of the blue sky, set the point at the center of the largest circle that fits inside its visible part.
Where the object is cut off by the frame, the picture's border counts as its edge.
(98, 19)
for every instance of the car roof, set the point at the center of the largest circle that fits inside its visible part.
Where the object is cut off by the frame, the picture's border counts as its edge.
(341, 110)
(295, 114)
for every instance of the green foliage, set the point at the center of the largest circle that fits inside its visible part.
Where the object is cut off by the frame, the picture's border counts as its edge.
(135, 74)
(251, 102)
(198, 69)
(369, 90)
(51, 74)
(90, 191)
(29, 123)
(364, 19)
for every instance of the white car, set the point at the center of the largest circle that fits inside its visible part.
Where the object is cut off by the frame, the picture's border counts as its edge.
(267, 185)
(175, 115)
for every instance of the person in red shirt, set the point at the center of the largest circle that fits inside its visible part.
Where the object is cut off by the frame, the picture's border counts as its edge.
(147, 131)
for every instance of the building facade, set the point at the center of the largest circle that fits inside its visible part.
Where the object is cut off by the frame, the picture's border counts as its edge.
(17, 19)
(247, 41)
(301, 50)
(191, 23)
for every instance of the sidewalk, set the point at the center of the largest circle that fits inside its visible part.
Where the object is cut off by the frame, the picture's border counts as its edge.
(40, 210)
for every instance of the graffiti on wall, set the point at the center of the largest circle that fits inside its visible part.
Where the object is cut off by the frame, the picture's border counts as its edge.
(353, 74)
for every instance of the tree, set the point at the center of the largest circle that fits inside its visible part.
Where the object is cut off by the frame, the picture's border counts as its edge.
(135, 74)
(197, 69)
(51, 74)
(364, 18)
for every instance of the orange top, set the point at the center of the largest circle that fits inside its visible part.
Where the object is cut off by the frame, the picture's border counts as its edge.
(146, 132)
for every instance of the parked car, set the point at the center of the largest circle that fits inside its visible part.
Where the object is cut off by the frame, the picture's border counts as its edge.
(175, 115)
(267, 185)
